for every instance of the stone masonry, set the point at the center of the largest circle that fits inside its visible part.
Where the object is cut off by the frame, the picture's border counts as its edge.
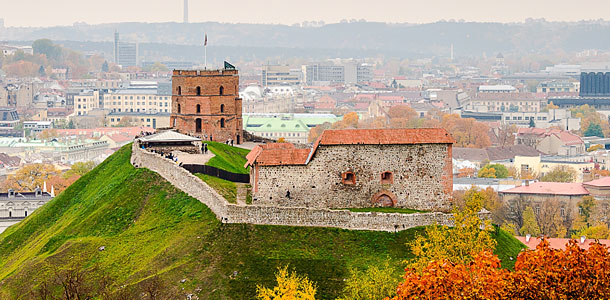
(418, 172)
(270, 215)
(207, 104)
(418, 175)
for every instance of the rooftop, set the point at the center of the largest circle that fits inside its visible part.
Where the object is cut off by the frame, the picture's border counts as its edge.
(550, 188)
(385, 136)
(168, 136)
(602, 182)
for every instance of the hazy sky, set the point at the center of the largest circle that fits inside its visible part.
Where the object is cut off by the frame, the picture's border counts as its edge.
(66, 12)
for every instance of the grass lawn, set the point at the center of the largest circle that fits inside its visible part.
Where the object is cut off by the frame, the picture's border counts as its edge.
(386, 210)
(225, 188)
(231, 159)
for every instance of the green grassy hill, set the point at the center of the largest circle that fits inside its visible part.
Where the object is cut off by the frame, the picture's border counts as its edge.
(151, 232)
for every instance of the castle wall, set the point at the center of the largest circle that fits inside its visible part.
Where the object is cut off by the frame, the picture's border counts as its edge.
(421, 173)
(290, 216)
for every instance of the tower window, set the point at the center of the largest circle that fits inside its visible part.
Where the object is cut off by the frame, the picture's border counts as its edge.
(222, 108)
(198, 91)
(222, 123)
(179, 90)
(198, 108)
(222, 90)
(178, 108)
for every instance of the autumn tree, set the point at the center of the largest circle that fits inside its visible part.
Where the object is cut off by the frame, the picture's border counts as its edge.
(543, 273)
(374, 283)
(586, 211)
(482, 278)
(598, 232)
(469, 236)
(290, 285)
(79, 168)
(316, 132)
(530, 225)
(466, 132)
(401, 116)
(588, 115)
(560, 174)
(550, 219)
(506, 134)
(30, 176)
(493, 171)
(48, 134)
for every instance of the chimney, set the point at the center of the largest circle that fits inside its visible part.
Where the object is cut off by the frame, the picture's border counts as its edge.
(582, 239)
(11, 193)
(528, 237)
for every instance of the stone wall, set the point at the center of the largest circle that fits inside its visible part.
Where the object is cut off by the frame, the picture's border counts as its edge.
(422, 178)
(290, 216)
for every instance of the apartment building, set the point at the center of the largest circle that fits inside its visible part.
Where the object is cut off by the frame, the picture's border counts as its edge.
(140, 97)
(85, 102)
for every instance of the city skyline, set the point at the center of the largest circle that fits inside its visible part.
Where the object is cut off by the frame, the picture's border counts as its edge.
(20, 14)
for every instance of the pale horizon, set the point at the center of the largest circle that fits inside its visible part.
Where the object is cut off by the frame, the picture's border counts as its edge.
(289, 12)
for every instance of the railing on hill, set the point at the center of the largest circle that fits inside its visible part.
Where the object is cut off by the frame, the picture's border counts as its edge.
(216, 172)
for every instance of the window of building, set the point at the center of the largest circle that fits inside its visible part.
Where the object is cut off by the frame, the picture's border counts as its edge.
(348, 178)
(387, 177)
(222, 108)
(178, 108)
(197, 125)
(179, 90)
(198, 108)
(198, 91)
(222, 90)
(222, 123)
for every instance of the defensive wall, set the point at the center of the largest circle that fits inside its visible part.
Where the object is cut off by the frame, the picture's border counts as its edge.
(270, 215)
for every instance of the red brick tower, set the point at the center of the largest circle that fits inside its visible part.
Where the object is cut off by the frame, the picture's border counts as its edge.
(207, 104)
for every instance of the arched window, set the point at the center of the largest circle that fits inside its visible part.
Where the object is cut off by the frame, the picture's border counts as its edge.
(222, 123)
(222, 108)
(222, 90)
(198, 108)
(198, 91)
(178, 108)
(179, 90)
(197, 125)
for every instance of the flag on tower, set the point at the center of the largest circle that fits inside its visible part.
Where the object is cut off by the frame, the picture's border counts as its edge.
(205, 41)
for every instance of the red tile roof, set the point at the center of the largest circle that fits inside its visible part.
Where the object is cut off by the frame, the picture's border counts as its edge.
(550, 188)
(286, 154)
(565, 136)
(602, 182)
(277, 154)
(386, 136)
(559, 243)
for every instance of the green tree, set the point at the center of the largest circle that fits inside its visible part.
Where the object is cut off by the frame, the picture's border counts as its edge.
(532, 123)
(289, 286)
(374, 283)
(497, 170)
(586, 207)
(560, 174)
(105, 67)
(594, 130)
(598, 232)
(458, 244)
(530, 225)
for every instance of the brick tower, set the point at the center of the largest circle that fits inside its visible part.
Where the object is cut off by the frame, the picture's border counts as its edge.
(207, 104)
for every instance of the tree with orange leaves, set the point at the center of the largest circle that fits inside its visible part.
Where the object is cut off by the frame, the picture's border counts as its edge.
(466, 132)
(543, 273)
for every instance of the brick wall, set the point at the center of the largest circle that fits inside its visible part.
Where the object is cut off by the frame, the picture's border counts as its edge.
(220, 114)
(290, 216)
(422, 177)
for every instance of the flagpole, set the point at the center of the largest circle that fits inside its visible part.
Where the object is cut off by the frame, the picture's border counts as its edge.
(205, 50)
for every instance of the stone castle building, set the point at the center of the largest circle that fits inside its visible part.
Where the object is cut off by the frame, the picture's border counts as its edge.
(206, 103)
(405, 168)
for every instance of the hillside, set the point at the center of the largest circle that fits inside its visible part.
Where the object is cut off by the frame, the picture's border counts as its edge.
(153, 234)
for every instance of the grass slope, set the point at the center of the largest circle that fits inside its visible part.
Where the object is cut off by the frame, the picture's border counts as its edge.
(149, 227)
(228, 158)
(225, 188)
